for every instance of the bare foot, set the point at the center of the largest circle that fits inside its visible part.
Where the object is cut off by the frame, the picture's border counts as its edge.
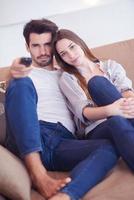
(58, 175)
(60, 196)
(48, 186)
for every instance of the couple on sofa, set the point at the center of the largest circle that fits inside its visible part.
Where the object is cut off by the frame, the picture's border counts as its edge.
(41, 128)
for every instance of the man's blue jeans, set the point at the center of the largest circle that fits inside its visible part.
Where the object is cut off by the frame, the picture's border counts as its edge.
(117, 129)
(88, 160)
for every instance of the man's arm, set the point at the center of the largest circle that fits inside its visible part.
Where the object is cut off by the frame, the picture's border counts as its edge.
(45, 185)
(16, 70)
(5, 73)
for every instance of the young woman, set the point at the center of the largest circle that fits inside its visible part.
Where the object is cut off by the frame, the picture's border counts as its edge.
(98, 93)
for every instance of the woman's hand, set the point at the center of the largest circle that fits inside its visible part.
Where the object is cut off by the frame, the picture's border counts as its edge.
(18, 70)
(123, 107)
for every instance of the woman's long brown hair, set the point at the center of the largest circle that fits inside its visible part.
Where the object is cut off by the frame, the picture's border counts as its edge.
(67, 34)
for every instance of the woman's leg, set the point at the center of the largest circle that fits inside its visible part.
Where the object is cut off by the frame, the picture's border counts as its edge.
(102, 91)
(89, 162)
(118, 129)
(121, 132)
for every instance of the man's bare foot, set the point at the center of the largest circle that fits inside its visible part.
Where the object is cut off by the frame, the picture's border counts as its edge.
(60, 196)
(58, 175)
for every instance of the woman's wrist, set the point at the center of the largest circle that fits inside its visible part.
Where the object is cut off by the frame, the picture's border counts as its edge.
(108, 110)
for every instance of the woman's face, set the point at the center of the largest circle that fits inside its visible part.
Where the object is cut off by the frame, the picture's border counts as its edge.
(70, 52)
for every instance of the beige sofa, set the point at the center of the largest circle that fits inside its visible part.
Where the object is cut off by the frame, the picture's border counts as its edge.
(119, 183)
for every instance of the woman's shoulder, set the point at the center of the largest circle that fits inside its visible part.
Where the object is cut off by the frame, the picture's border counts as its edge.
(67, 76)
(110, 65)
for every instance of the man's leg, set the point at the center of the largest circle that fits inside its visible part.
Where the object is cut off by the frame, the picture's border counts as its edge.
(24, 135)
(22, 121)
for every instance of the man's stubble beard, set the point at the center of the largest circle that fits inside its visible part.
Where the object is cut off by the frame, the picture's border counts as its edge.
(43, 64)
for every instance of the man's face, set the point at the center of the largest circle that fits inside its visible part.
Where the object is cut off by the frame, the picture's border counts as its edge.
(40, 48)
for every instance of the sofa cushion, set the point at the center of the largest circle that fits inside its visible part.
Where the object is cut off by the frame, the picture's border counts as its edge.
(14, 180)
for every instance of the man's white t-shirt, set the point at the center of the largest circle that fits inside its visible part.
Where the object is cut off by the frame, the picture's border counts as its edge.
(51, 106)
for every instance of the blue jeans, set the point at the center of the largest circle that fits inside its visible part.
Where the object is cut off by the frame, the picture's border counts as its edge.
(117, 129)
(88, 160)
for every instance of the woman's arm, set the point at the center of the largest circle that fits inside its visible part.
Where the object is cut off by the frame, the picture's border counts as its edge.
(96, 113)
(128, 93)
(123, 107)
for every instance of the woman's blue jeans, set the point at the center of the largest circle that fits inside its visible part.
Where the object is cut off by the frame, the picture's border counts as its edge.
(117, 129)
(87, 160)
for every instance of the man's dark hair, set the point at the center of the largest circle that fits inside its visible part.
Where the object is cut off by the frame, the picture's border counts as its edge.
(39, 26)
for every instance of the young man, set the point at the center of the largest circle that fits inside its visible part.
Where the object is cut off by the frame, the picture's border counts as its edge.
(41, 128)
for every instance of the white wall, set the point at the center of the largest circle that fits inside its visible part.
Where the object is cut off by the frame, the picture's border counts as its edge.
(103, 24)
(15, 11)
(98, 25)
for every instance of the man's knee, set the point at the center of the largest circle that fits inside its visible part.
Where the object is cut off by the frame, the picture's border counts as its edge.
(21, 88)
(19, 84)
(19, 81)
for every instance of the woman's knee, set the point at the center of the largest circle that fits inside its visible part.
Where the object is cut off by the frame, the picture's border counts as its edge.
(102, 91)
(97, 81)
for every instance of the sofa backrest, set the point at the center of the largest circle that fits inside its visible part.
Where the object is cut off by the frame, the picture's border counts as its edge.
(122, 52)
